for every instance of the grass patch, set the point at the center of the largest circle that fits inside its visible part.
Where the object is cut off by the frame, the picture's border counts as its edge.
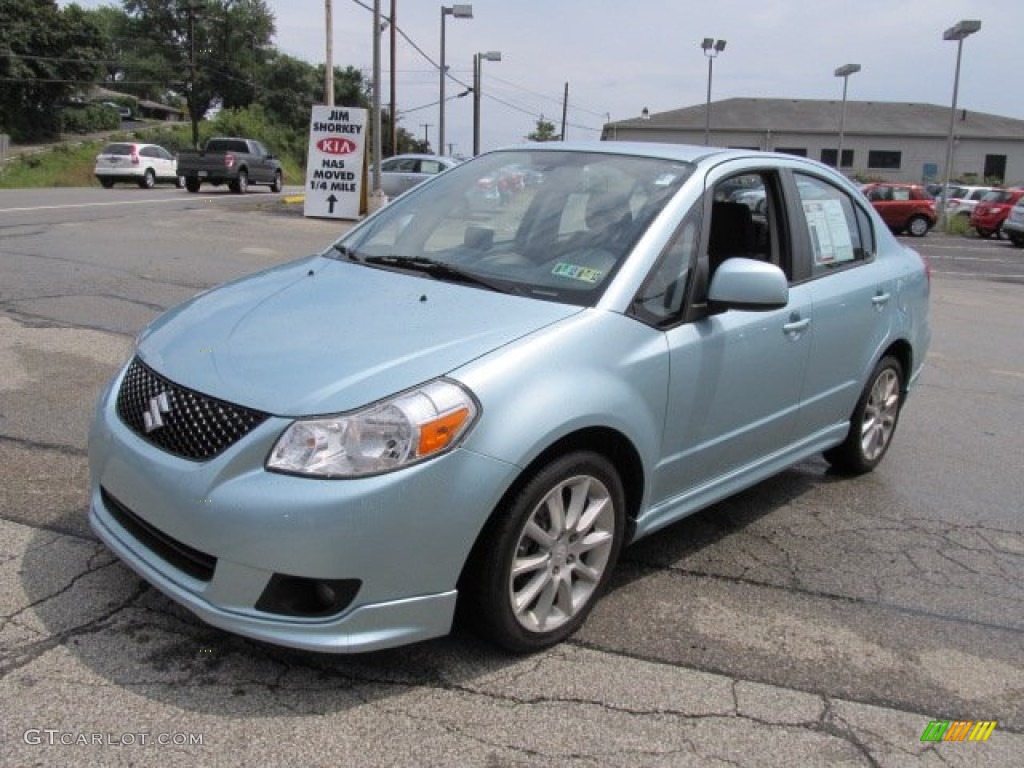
(958, 224)
(71, 163)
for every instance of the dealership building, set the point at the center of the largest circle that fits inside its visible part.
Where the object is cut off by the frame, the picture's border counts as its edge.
(882, 140)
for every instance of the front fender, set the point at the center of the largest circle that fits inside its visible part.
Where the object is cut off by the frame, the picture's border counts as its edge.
(595, 369)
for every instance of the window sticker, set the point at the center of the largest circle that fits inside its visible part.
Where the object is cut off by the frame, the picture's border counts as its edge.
(829, 231)
(666, 179)
(584, 274)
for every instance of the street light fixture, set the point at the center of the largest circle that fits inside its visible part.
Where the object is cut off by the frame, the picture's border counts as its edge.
(844, 72)
(478, 59)
(711, 49)
(463, 11)
(958, 32)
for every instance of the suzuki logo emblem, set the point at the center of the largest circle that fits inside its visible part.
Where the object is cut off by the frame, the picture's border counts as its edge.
(157, 405)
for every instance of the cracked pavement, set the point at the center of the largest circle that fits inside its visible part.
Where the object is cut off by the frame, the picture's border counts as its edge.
(811, 620)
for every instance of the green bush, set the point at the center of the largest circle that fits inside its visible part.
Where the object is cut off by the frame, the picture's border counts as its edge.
(89, 118)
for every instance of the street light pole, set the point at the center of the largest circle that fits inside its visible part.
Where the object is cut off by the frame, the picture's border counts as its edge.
(958, 32)
(463, 11)
(711, 48)
(844, 72)
(329, 63)
(478, 60)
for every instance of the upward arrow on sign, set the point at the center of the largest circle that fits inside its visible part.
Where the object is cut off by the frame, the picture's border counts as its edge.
(330, 203)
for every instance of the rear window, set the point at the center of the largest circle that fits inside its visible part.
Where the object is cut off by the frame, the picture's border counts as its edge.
(226, 145)
(118, 149)
(998, 196)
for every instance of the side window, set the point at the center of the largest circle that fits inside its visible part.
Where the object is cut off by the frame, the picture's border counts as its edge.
(430, 166)
(745, 221)
(839, 230)
(659, 302)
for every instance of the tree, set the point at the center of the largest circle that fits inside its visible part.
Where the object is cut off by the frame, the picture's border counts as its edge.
(545, 131)
(46, 55)
(210, 50)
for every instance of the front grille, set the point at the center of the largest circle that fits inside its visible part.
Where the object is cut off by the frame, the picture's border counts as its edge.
(196, 564)
(181, 421)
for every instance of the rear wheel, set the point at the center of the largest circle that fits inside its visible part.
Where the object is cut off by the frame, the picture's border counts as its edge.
(148, 180)
(985, 233)
(192, 184)
(548, 554)
(1017, 240)
(241, 183)
(107, 183)
(873, 422)
(918, 226)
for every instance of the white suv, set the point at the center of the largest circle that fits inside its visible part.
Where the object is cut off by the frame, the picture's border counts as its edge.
(962, 200)
(142, 164)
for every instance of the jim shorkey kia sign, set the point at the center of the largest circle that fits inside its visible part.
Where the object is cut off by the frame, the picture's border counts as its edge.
(334, 163)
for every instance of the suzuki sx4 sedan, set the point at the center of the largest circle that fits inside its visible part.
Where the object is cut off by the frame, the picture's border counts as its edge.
(481, 399)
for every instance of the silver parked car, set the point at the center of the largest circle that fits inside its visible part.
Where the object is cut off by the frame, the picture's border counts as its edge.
(403, 172)
(1013, 226)
(461, 403)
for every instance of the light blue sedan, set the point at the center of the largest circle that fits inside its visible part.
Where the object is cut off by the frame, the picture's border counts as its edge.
(484, 404)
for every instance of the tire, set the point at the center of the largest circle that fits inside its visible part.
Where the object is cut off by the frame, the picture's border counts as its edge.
(241, 184)
(278, 184)
(918, 226)
(107, 183)
(548, 553)
(148, 180)
(1017, 240)
(985, 233)
(873, 422)
(192, 184)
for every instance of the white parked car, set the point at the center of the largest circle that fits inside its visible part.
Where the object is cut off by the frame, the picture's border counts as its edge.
(403, 172)
(142, 164)
(962, 200)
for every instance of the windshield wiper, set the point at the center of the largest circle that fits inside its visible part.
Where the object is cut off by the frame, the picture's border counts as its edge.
(437, 269)
(344, 251)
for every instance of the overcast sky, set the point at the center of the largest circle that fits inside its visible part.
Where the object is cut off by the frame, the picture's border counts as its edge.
(619, 56)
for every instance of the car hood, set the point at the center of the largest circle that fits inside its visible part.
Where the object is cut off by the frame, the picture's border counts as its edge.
(320, 336)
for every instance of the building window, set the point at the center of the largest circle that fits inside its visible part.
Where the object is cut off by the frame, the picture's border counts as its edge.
(884, 159)
(828, 157)
(792, 151)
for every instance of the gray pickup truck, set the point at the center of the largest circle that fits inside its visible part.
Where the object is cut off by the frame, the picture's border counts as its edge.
(232, 161)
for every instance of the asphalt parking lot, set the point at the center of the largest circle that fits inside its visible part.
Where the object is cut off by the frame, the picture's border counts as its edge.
(811, 620)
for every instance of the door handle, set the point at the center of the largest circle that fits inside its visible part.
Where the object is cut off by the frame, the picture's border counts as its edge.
(795, 325)
(880, 300)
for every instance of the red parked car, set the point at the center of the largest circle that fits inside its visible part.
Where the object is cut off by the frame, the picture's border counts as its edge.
(904, 207)
(989, 215)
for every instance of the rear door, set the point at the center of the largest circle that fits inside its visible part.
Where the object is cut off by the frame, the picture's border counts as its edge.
(854, 299)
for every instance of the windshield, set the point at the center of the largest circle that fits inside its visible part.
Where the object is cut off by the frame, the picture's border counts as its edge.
(553, 225)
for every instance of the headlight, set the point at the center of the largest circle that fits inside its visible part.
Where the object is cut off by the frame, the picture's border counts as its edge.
(382, 437)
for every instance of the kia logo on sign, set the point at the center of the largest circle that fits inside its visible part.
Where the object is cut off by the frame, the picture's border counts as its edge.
(336, 146)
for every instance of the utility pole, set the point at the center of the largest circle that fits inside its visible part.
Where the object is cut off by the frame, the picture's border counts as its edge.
(394, 78)
(192, 75)
(426, 132)
(565, 109)
(329, 64)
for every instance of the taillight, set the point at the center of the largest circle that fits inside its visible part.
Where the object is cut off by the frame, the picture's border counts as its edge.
(135, 157)
(229, 160)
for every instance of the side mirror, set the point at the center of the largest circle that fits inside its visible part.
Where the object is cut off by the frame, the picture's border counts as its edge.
(741, 283)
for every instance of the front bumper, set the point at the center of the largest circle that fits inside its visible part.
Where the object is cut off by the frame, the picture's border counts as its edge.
(403, 536)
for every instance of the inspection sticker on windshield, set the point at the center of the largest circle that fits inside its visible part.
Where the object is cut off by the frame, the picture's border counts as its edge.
(585, 274)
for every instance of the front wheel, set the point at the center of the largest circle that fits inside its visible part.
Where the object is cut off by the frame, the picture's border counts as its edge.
(278, 184)
(1017, 240)
(985, 233)
(873, 422)
(918, 226)
(548, 554)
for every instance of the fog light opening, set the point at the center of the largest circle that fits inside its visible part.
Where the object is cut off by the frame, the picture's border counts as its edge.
(307, 598)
